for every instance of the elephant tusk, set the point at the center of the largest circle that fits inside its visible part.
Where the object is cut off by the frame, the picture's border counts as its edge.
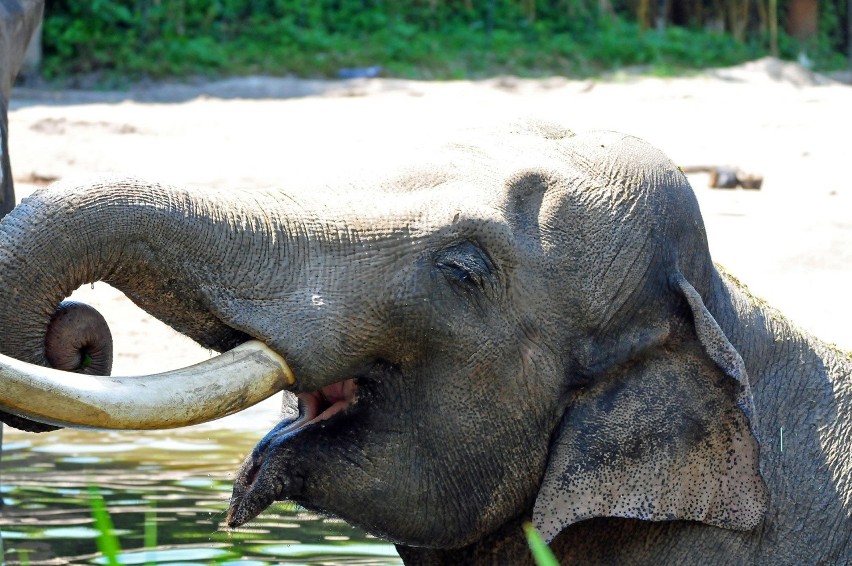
(215, 388)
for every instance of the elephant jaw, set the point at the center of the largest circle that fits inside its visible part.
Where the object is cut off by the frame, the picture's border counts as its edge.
(215, 388)
(258, 484)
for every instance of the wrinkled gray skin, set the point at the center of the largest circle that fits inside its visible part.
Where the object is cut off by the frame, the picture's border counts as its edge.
(18, 20)
(537, 332)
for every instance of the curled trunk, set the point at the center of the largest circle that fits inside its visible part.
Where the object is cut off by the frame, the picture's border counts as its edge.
(172, 251)
(78, 339)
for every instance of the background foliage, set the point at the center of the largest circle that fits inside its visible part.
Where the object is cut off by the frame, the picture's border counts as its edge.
(415, 38)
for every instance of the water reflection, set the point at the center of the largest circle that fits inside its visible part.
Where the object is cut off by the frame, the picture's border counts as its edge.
(176, 483)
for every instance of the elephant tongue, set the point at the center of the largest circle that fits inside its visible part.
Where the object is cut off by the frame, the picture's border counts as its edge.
(331, 399)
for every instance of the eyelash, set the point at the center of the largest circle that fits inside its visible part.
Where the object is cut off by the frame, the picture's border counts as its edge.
(467, 267)
(458, 273)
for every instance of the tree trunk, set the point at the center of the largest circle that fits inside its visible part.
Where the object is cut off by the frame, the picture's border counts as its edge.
(803, 21)
(738, 14)
(773, 27)
(643, 13)
(662, 15)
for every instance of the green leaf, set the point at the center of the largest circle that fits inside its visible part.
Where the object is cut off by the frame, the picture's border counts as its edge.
(540, 551)
(107, 541)
(150, 530)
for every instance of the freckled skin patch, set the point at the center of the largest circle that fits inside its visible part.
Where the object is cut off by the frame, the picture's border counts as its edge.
(651, 459)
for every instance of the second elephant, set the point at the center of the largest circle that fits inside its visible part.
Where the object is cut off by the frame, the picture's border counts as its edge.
(18, 21)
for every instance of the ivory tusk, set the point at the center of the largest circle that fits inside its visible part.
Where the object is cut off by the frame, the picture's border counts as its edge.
(215, 388)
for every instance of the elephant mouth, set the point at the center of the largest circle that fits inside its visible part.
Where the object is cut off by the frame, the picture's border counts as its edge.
(332, 400)
(257, 484)
(321, 405)
(264, 477)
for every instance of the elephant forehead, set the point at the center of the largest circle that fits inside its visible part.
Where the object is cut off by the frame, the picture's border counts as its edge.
(609, 219)
(620, 161)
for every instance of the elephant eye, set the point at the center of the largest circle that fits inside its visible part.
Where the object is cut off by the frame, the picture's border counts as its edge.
(466, 266)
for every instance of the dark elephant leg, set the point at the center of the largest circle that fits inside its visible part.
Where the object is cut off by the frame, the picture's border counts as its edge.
(7, 201)
(1, 481)
(18, 20)
(7, 190)
(2, 551)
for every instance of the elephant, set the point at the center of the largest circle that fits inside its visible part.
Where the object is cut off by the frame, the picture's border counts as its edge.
(524, 326)
(18, 21)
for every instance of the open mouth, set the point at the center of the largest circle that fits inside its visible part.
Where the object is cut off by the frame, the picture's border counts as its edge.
(261, 480)
(314, 407)
(321, 405)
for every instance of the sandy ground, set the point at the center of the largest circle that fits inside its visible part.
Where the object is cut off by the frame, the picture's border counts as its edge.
(791, 242)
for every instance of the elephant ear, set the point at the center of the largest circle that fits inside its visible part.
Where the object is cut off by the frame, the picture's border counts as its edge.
(668, 435)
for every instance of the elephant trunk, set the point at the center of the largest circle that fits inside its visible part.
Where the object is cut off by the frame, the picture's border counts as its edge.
(169, 250)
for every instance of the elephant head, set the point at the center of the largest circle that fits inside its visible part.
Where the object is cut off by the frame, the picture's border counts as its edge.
(513, 329)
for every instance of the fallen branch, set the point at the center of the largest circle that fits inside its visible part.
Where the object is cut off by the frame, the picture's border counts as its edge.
(724, 177)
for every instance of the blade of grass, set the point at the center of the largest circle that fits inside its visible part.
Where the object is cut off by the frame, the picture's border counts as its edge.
(540, 551)
(150, 532)
(107, 541)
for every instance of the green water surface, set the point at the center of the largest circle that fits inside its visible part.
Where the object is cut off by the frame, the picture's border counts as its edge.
(166, 492)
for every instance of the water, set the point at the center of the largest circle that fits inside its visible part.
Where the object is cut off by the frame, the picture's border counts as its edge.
(169, 485)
